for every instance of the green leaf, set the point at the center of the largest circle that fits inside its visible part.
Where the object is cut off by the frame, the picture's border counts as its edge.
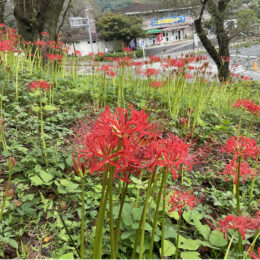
(169, 248)
(127, 234)
(216, 238)
(170, 232)
(190, 255)
(13, 243)
(50, 108)
(188, 244)
(35, 109)
(46, 176)
(173, 214)
(67, 256)
(204, 230)
(137, 213)
(36, 180)
(191, 215)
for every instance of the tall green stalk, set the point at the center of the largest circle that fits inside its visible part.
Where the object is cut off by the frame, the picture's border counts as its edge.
(100, 219)
(229, 245)
(140, 230)
(117, 231)
(237, 186)
(163, 220)
(111, 223)
(178, 237)
(82, 246)
(158, 199)
(11, 167)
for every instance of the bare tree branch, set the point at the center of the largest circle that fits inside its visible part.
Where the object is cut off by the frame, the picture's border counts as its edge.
(64, 16)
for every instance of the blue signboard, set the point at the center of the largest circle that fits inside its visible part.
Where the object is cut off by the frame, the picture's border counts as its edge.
(168, 20)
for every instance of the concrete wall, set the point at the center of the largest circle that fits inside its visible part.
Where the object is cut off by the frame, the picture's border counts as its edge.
(84, 46)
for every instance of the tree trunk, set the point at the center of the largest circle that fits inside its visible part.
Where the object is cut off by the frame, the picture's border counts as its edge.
(36, 16)
(220, 57)
(2, 11)
(223, 41)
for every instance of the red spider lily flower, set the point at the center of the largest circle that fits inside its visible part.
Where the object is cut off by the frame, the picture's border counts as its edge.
(155, 59)
(151, 71)
(137, 63)
(2, 25)
(191, 67)
(247, 105)
(188, 76)
(77, 53)
(113, 140)
(156, 84)
(44, 34)
(178, 200)
(247, 78)
(241, 147)
(91, 54)
(111, 73)
(254, 255)
(39, 84)
(7, 45)
(241, 224)
(53, 57)
(39, 43)
(231, 169)
(175, 153)
(79, 166)
(101, 54)
(127, 49)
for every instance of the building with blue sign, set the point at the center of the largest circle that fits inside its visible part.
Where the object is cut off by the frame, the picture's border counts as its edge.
(172, 24)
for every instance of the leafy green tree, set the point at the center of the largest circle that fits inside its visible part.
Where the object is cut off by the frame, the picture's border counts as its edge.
(115, 26)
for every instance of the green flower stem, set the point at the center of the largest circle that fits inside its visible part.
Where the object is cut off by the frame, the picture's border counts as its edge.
(239, 124)
(163, 220)
(42, 133)
(158, 199)
(11, 167)
(117, 231)
(142, 220)
(253, 243)
(68, 233)
(251, 123)
(82, 247)
(138, 191)
(3, 138)
(237, 187)
(252, 184)
(111, 224)
(178, 237)
(229, 245)
(100, 219)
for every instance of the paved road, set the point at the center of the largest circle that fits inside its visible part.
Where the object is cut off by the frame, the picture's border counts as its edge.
(241, 59)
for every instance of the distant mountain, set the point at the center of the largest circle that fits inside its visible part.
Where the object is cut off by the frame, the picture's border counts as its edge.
(114, 5)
